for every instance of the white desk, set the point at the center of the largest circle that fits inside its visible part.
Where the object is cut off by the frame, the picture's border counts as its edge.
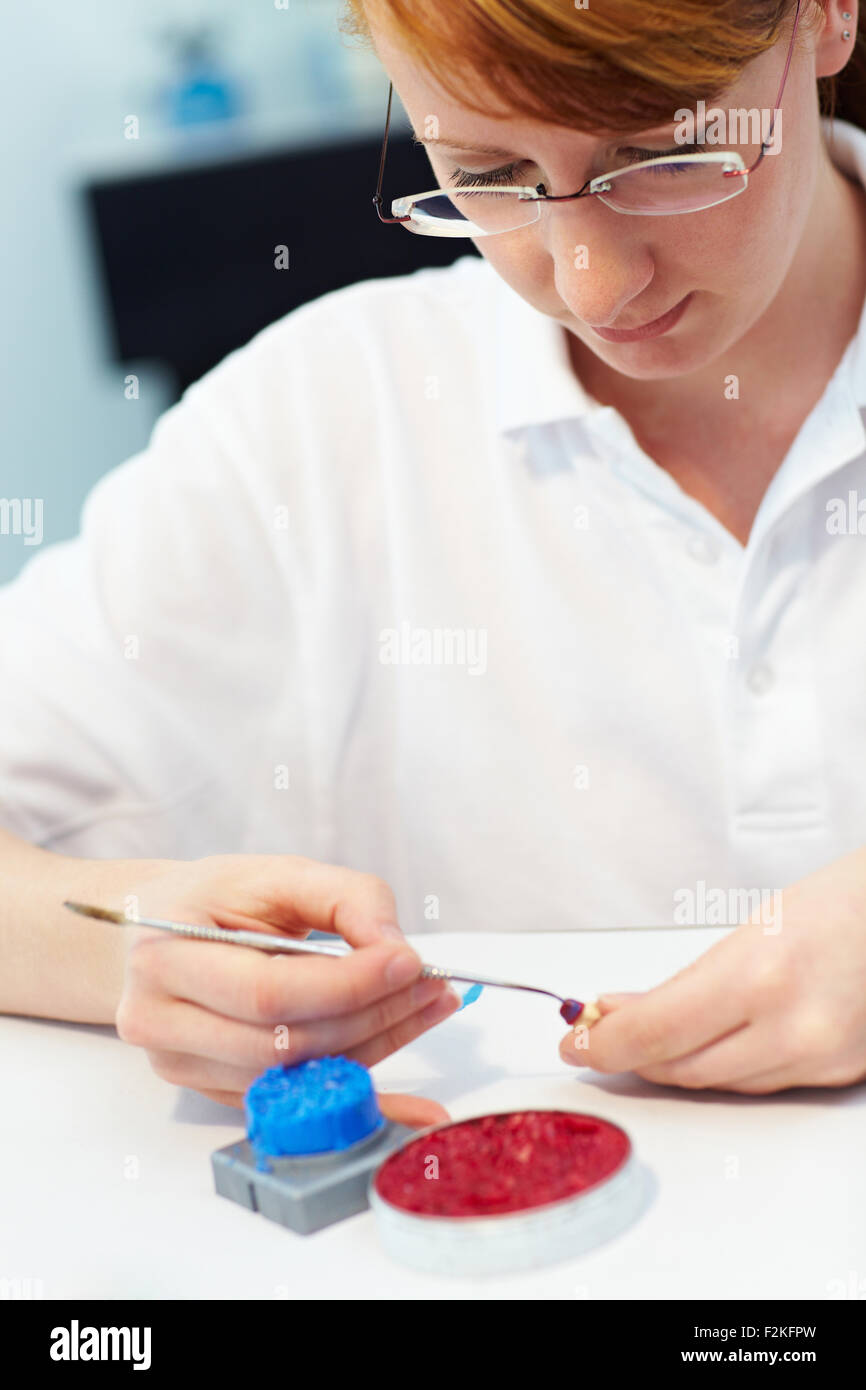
(755, 1197)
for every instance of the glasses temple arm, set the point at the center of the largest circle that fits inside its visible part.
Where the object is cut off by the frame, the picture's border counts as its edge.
(765, 144)
(377, 196)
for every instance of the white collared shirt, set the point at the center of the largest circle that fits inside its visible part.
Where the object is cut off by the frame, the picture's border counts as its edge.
(388, 589)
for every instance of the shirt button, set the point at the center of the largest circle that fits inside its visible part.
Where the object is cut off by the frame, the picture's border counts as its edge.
(702, 549)
(760, 679)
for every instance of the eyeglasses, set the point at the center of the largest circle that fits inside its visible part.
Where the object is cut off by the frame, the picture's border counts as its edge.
(660, 187)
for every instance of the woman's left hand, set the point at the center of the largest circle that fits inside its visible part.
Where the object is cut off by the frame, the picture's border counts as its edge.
(771, 1006)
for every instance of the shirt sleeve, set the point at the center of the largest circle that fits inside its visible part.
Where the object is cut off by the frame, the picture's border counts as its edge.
(142, 660)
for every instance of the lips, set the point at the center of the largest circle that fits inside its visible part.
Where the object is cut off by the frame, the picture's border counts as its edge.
(653, 329)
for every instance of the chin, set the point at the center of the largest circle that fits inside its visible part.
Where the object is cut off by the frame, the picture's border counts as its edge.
(659, 359)
(657, 366)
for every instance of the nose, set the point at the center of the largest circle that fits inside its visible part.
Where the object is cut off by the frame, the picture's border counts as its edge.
(598, 266)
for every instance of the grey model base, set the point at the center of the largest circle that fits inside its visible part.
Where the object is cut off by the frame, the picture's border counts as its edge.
(305, 1194)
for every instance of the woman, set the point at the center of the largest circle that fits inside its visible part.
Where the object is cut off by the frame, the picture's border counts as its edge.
(542, 621)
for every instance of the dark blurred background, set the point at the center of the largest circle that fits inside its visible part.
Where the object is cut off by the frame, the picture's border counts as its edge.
(186, 257)
(154, 155)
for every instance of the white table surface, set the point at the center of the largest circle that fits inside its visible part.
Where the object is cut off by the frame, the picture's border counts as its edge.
(752, 1197)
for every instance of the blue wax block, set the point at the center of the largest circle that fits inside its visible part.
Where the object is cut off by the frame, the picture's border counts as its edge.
(471, 995)
(321, 1106)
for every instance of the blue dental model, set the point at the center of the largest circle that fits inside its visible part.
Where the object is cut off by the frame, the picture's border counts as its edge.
(315, 1136)
(321, 1106)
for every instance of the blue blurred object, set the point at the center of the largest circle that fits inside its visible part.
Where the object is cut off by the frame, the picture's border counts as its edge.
(471, 995)
(320, 1106)
(204, 91)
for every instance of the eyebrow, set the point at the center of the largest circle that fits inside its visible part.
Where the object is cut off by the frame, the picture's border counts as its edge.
(467, 149)
(495, 153)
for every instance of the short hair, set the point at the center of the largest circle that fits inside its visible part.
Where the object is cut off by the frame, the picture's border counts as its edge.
(616, 65)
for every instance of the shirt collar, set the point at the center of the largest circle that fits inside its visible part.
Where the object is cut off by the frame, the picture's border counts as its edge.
(535, 381)
(847, 145)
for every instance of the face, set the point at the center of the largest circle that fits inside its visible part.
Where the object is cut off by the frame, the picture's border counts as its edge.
(725, 264)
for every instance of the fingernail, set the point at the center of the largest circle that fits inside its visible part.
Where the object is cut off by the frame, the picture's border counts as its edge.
(441, 1008)
(610, 1001)
(389, 929)
(426, 991)
(402, 968)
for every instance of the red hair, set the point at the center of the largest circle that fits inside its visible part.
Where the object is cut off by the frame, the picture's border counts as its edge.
(622, 64)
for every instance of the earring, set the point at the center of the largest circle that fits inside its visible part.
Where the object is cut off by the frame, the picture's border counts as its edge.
(846, 33)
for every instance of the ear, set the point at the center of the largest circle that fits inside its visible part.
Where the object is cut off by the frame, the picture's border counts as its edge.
(832, 49)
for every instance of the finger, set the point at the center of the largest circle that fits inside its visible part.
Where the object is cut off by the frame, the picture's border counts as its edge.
(700, 1004)
(741, 1054)
(201, 1073)
(286, 892)
(180, 1027)
(224, 1098)
(243, 983)
(759, 1084)
(415, 1111)
(376, 1049)
(609, 1003)
(173, 1026)
(766, 1055)
(228, 1085)
(766, 1082)
(332, 1035)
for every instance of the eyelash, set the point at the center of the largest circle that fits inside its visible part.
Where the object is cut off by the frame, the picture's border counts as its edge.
(465, 178)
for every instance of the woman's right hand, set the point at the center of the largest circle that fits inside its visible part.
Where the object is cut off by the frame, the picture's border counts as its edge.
(213, 1017)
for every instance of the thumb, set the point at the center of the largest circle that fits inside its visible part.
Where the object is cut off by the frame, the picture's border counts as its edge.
(609, 1003)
